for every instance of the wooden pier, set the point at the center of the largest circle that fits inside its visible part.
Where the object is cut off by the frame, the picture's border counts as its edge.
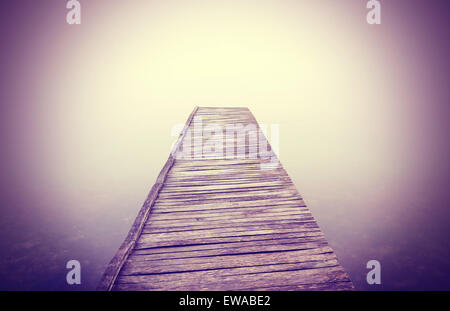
(214, 221)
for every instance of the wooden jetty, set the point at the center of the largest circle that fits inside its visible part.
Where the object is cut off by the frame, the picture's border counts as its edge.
(214, 221)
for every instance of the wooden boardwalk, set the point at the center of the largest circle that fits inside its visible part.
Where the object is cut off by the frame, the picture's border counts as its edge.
(224, 222)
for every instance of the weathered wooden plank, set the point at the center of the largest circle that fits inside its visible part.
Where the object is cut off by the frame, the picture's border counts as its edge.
(145, 241)
(227, 195)
(224, 199)
(223, 245)
(226, 253)
(237, 279)
(148, 229)
(242, 201)
(225, 208)
(141, 255)
(208, 189)
(258, 202)
(242, 213)
(215, 233)
(180, 226)
(218, 221)
(333, 286)
(253, 263)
